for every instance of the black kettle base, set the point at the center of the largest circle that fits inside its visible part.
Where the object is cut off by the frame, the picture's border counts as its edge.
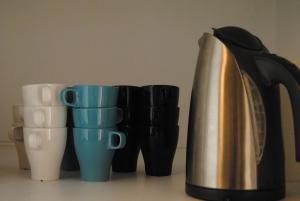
(234, 195)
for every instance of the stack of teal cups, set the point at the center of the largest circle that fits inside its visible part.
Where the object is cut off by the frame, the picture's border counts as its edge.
(95, 115)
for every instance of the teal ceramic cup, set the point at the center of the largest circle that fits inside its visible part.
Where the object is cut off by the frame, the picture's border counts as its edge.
(97, 117)
(90, 96)
(95, 150)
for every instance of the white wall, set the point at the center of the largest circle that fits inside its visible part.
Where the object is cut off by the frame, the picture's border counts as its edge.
(288, 29)
(133, 42)
(288, 45)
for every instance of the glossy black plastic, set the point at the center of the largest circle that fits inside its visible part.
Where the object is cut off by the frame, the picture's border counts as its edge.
(235, 195)
(239, 37)
(158, 145)
(160, 95)
(125, 160)
(157, 116)
(276, 70)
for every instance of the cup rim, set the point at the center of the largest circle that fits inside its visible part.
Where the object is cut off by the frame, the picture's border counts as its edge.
(17, 125)
(94, 85)
(96, 108)
(44, 107)
(97, 129)
(161, 128)
(160, 85)
(128, 86)
(160, 107)
(44, 84)
(44, 129)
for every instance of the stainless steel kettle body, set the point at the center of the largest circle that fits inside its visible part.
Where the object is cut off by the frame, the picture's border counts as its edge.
(226, 123)
(227, 158)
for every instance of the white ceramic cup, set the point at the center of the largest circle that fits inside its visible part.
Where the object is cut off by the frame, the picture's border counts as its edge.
(42, 94)
(45, 148)
(18, 115)
(43, 116)
(15, 134)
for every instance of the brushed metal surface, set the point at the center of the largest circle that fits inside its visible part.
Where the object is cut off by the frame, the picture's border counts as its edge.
(222, 150)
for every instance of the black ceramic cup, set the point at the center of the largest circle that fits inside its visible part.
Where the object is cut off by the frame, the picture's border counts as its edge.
(70, 120)
(129, 101)
(125, 160)
(160, 116)
(128, 96)
(158, 147)
(160, 95)
(70, 161)
(131, 115)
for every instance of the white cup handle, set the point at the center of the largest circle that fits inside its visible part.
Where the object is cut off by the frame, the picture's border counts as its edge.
(35, 141)
(39, 117)
(45, 95)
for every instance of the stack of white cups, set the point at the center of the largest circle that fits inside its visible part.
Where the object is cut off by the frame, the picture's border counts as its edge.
(45, 131)
(15, 134)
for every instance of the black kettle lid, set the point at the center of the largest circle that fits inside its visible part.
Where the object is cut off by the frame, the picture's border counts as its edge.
(238, 37)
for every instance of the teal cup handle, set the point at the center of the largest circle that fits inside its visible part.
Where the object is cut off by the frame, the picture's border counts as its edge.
(122, 140)
(90, 96)
(63, 96)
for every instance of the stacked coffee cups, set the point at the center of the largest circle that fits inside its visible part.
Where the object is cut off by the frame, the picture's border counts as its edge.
(159, 128)
(125, 160)
(95, 115)
(44, 129)
(15, 134)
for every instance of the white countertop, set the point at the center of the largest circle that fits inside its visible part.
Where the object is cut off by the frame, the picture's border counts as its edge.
(16, 184)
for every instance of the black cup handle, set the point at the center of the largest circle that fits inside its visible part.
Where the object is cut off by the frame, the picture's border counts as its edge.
(276, 70)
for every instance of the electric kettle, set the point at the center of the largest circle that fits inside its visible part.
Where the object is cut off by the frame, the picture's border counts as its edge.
(235, 146)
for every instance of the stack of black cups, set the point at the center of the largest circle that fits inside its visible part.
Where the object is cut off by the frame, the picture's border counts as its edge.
(70, 161)
(125, 160)
(159, 128)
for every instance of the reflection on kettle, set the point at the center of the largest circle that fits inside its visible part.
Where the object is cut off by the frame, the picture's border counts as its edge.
(235, 147)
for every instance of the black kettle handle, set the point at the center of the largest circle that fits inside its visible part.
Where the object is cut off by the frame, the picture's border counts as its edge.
(277, 70)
